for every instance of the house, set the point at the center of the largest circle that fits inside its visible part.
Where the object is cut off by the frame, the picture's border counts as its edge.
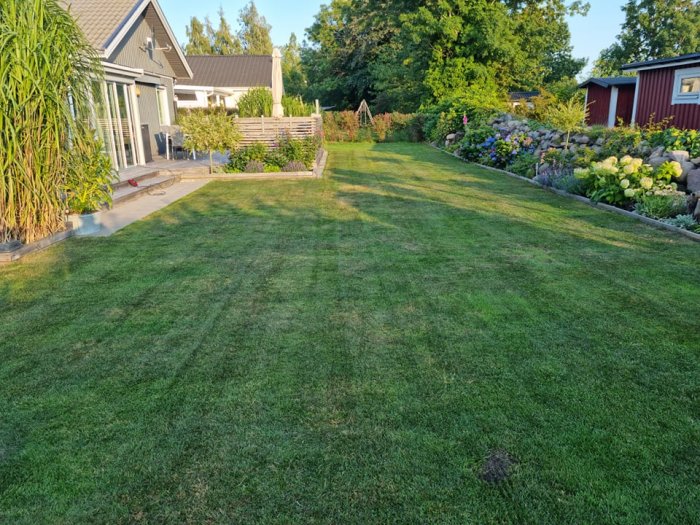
(522, 98)
(142, 61)
(223, 80)
(609, 100)
(668, 88)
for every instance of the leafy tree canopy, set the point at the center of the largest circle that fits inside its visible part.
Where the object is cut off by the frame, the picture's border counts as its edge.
(401, 53)
(252, 36)
(652, 29)
(255, 31)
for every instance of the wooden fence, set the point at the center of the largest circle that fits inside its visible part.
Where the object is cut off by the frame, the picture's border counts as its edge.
(268, 130)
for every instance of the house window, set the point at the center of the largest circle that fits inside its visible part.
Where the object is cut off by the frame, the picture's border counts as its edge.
(686, 86)
(163, 106)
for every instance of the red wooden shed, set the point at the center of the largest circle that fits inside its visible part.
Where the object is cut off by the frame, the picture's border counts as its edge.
(668, 88)
(609, 99)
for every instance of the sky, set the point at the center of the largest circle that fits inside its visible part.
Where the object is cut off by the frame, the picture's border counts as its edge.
(589, 35)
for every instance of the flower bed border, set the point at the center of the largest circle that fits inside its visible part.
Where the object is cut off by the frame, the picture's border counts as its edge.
(599, 205)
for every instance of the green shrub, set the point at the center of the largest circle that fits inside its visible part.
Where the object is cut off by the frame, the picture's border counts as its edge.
(479, 104)
(299, 150)
(472, 147)
(296, 107)
(524, 165)
(275, 158)
(621, 140)
(662, 204)
(88, 177)
(676, 139)
(239, 159)
(687, 222)
(256, 103)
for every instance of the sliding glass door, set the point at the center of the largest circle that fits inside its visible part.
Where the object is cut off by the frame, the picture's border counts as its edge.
(115, 123)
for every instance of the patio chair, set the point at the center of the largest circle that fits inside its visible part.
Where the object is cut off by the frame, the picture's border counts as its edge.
(177, 144)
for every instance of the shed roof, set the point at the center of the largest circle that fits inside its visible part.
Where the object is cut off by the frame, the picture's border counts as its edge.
(523, 95)
(607, 82)
(231, 71)
(648, 64)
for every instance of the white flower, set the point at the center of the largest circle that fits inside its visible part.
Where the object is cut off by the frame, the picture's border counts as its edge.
(646, 183)
(625, 183)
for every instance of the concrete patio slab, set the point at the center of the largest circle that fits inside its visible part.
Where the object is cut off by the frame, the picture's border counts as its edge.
(120, 217)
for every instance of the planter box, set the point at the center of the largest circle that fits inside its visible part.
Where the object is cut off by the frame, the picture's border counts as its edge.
(88, 224)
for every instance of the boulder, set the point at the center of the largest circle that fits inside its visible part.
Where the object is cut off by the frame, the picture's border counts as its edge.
(601, 141)
(597, 149)
(657, 152)
(679, 155)
(581, 139)
(696, 213)
(696, 161)
(693, 181)
(687, 168)
(655, 162)
(459, 136)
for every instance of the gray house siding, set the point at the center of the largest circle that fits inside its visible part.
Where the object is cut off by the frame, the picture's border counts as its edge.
(133, 53)
(148, 109)
(158, 72)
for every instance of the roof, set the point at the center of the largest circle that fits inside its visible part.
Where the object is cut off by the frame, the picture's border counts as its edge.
(607, 82)
(100, 20)
(106, 23)
(230, 71)
(520, 95)
(659, 62)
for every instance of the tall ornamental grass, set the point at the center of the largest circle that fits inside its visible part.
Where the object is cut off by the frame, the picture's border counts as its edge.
(46, 70)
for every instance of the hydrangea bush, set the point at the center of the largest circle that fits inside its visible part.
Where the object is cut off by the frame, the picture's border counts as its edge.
(624, 181)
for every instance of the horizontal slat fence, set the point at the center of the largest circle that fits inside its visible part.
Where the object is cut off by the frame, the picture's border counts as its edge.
(268, 130)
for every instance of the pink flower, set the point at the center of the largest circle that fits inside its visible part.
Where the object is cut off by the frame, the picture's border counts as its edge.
(465, 119)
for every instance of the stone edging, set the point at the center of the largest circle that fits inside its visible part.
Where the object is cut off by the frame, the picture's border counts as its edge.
(606, 207)
(26, 249)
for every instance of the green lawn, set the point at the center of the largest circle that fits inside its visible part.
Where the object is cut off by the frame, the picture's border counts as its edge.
(351, 350)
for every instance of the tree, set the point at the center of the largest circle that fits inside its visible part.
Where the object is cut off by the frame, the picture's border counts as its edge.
(652, 29)
(210, 131)
(198, 42)
(255, 31)
(567, 116)
(46, 110)
(224, 41)
(403, 53)
(294, 78)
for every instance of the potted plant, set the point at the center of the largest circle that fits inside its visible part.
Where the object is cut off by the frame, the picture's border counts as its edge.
(88, 185)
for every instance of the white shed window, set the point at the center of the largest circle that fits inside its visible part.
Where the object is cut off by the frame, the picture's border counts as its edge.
(686, 86)
(163, 106)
